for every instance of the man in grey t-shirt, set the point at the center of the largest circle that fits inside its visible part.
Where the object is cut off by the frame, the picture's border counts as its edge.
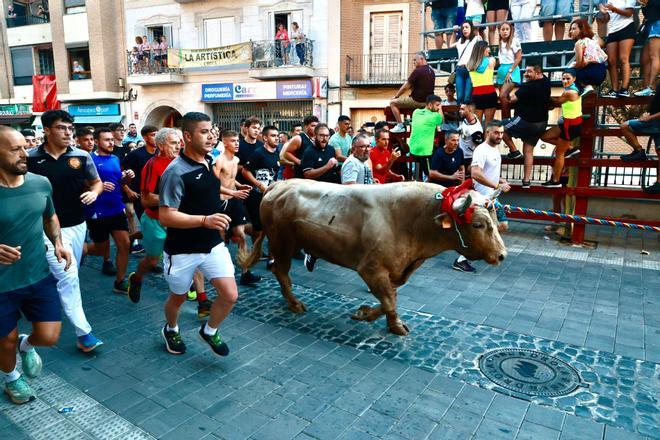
(355, 169)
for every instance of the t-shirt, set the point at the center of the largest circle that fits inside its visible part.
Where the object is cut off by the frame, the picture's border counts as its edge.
(464, 50)
(314, 158)
(471, 135)
(341, 142)
(651, 11)
(449, 125)
(136, 160)
(108, 203)
(380, 157)
(474, 7)
(617, 21)
(21, 224)
(150, 179)
(68, 175)
(422, 80)
(264, 166)
(490, 160)
(245, 150)
(508, 56)
(447, 164)
(424, 126)
(354, 170)
(192, 188)
(130, 138)
(121, 152)
(533, 100)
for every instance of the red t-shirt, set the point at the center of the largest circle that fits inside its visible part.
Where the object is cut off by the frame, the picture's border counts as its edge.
(151, 173)
(379, 157)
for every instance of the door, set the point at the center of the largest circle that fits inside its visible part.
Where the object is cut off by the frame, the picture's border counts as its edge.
(385, 59)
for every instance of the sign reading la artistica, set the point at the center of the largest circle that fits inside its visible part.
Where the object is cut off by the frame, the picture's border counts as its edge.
(216, 56)
(257, 91)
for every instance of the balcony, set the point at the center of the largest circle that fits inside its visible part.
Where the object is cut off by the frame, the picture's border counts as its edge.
(378, 69)
(274, 59)
(151, 71)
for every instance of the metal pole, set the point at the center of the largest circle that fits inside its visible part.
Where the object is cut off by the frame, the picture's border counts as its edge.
(423, 36)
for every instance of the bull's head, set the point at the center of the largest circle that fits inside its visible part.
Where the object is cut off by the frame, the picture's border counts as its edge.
(473, 218)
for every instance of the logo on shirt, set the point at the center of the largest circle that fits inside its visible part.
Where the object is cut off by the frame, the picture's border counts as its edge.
(41, 161)
(75, 163)
(199, 176)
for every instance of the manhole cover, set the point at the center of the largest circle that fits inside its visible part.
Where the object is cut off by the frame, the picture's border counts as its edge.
(529, 372)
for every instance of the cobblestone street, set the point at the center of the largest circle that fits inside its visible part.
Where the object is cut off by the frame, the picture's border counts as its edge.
(321, 375)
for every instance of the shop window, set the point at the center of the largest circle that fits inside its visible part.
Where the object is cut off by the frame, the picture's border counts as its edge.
(79, 63)
(74, 6)
(220, 32)
(23, 65)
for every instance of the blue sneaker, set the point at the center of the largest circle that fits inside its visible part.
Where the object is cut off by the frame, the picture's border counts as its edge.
(88, 342)
(19, 391)
(31, 360)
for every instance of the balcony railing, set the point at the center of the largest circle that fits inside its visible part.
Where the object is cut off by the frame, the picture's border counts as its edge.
(378, 69)
(152, 64)
(27, 20)
(275, 53)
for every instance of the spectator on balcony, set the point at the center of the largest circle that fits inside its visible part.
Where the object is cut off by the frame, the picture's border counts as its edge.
(78, 71)
(43, 13)
(508, 74)
(146, 52)
(425, 124)
(651, 51)
(550, 9)
(341, 140)
(282, 43)
(496, 10)
(443, 14)
(590, 60)
(382, 159)
(523, 10)
(155, 52)
(647, 125)
(620, 40)
(11, 14)
(164, 46)
(420, 83)
(450, 119)
(134, 60)
(464, 46)
(482, 69)
(568, 128)
(299, 39)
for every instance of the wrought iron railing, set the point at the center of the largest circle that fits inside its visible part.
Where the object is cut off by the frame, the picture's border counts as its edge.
(277, 53)
(27, 20)
(152, 64)
(378, 69)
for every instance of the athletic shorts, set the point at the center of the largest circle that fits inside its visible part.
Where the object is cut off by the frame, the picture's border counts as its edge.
(569, 132)
(529, 132)
(39, 302)
(235, 209)
(252, 204)
(475, 19)
(627, 33)
(443, 18)
(153, 236)
(650, 128)
(482, 102)
(180, 268)
(653, 29)
(555, 7)
(502, 72)
(496, 5)
(100, 228)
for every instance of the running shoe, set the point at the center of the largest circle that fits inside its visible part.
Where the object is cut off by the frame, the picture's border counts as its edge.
(623, 93)
(137, 249)
(463, 266)
(610, 94)
(30, 359)
(204, 309)
(108, 268)
(571, 152)
(270, 264)
(19, 391)
(653, 189)
(120, 287)
(88, 342)
(645, 92)
(526, 184)
(587, 89)
(215, 341)
(157, 269)
(514, 155)
(399, 128)
(173, 342)
(248, 278)
(635, 155)
(309, 262)
(551, 184)
(134, 288)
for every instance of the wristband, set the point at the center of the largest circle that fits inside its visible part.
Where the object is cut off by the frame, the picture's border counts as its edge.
(497, 186)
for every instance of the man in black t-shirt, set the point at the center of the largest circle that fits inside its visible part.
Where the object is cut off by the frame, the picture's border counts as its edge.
(135, 161)
(319, 162)
(532, 101)
(447, 164)
(248, 144)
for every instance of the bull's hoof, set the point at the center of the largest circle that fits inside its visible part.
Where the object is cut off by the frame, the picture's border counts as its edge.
(366, 313)
(399, 328)
(297, 307)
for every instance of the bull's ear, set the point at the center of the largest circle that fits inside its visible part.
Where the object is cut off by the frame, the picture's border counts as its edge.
(443, 220)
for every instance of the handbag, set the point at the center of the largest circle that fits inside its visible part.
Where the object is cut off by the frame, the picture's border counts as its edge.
(452, 76)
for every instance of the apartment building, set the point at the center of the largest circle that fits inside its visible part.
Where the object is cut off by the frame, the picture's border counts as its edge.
(80, 42)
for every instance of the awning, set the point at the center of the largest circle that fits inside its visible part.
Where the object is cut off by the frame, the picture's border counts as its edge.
(107, 119)
(15, 119)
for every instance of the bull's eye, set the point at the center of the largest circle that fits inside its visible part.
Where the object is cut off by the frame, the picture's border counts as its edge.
(477, 225)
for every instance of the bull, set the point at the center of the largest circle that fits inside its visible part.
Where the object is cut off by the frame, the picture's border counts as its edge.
(384, 232)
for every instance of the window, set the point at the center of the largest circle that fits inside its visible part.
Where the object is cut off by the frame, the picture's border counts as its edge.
(287, 19)
(156, 32)
(386, 61)
(79, 67)
(46, 61)
(22, 13)
(220, 32)
(23, 65)
(74, 6)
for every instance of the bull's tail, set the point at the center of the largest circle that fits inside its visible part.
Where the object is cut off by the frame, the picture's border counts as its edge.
(246, 258)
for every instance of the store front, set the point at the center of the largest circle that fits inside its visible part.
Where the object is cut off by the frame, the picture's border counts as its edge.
(18, 116)
(96, 115)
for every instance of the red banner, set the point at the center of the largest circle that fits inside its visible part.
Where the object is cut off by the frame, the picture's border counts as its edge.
(45, 93)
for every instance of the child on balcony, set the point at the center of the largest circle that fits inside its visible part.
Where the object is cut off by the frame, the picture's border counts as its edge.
(508, 74)
(134, 59)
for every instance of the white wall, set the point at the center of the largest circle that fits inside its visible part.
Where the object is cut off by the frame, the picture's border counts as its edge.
(29, 35)
(75, 28)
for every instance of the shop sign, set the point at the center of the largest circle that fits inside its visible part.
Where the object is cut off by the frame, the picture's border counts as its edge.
(94, 110)
(212, 57)
(257, 91)
(15, 109)
(294, 89)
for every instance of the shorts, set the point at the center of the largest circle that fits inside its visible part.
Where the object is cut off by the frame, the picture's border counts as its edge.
(496, 5)
(252, 204)
(627, 33)
(502, 72)
(101, 228)
(555, 7)
(180, 268)
(653, 29)
(569, 132)
(235, 209)
(39, 302)
(475, 19)
(482, 102)
(409, 102)
(651, 128)
(563, 180)
(584, 4)
(443, 18)
(592, 74)
(153, 236)
(529, 132)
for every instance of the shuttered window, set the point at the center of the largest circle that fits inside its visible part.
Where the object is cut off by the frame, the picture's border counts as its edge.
(386, 59)
(220, 32)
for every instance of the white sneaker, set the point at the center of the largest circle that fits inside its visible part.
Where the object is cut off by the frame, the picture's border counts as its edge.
(400, 128)
(586, 90)
(645, 92)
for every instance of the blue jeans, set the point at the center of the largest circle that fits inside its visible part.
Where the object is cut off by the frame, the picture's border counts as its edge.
(463, 85)
(443, 17)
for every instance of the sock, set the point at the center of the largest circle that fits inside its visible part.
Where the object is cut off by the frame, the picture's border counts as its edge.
(10, 377)
(172, 329)
(25, 345)
(461, 258)
(201, 296)
(208, 330)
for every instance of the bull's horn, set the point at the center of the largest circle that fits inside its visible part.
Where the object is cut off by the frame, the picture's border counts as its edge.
(495, 194)
(460, 210)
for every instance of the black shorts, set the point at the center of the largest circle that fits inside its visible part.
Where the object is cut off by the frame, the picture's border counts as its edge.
(482, 102)
(529, 132)
(495, 5)
(627, 33)
(563, 180)
(236, 211)
(252, 204)
(100, 228)
(39, 302)
(569, 132)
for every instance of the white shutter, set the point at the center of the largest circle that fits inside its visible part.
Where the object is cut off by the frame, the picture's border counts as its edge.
(228, 32)
(385, 57)
(212, 32)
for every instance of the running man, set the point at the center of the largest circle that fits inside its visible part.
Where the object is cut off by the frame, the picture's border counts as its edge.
(70, 171)
(26, 285)
(190, 209)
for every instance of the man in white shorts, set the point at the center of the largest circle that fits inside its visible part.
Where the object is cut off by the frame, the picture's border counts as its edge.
(190, 208)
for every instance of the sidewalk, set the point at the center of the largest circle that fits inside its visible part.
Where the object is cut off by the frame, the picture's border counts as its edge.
(321, 375)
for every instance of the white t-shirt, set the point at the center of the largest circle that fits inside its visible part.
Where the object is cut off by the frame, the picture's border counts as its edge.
(490, 160)
(465, 50)
(474, 7)
(508, 56)
(465, 141)
(618, 22)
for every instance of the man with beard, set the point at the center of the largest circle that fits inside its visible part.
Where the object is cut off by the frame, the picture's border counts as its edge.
(293, 151)
(355, 169)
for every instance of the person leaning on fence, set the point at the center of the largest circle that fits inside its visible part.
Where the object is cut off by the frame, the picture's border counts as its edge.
(523, 10)
(464, 46)
(299, 38)
(482, 68)
(496, 10)
(550, 9)
(443, 14)
(650, 33)
(420, 83)
(590, 60)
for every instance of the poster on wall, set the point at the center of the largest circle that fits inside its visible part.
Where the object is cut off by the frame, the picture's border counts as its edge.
(212, 57)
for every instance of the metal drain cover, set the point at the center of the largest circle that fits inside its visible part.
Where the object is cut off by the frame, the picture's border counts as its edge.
(529, 372)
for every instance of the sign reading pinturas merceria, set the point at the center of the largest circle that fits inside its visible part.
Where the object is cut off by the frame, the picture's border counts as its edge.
(251, 91)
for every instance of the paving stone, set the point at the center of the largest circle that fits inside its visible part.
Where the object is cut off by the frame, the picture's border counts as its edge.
(544, 416)
(578, 428)
(374, 423)
(284, 426)
(507, 410)
(491, 429)
(330, 424)
(532, 431)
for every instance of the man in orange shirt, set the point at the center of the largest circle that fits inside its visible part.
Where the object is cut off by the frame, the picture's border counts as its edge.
(382, 158)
